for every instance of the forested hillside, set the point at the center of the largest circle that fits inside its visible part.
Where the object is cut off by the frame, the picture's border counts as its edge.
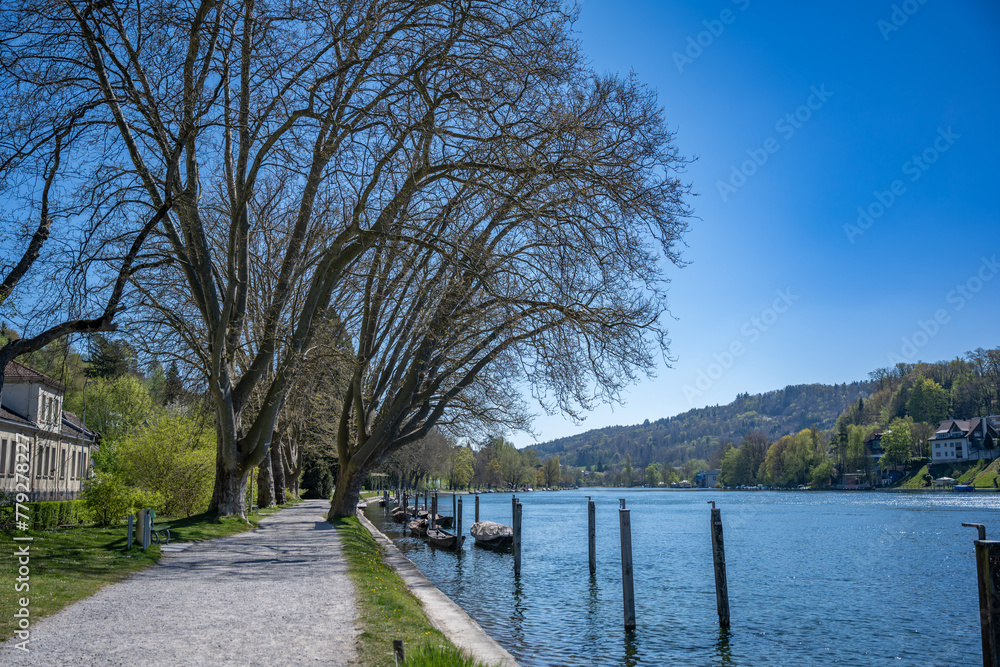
(700, 433)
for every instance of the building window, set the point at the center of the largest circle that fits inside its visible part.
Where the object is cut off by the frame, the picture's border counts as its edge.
(3, 457)
(72, 468)
(62, 463)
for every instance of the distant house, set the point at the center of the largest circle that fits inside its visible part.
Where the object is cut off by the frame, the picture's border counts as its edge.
(963, 440)
(707, 479)
(873, 444)
(36, 432)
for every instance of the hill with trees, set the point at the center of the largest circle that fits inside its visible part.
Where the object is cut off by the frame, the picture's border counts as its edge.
(702, 433)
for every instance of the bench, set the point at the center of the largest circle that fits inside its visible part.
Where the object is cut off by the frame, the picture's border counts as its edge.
(157, 536)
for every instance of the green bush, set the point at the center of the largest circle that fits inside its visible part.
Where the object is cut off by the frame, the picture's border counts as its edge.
(109, 499)
(175, 457)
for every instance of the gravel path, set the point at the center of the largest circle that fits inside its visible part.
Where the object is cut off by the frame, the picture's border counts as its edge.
(278, 595)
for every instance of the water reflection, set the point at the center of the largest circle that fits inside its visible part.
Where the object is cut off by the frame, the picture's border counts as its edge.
(631, 649)
(723, 652)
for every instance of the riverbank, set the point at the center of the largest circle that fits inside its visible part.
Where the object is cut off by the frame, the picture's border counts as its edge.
(447, 618)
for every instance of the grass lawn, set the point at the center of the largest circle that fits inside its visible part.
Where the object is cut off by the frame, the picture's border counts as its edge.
(69, 564)
(387, 609)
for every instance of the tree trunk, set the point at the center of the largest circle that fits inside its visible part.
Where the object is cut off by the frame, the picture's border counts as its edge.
(278, 469)
(266, 480)
(230, 494)
(347, 492)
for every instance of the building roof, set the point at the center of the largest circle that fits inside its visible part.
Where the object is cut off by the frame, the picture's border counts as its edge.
(967, 426)
(72, 427)
(875, 435)
(11, 416)
(15, 372)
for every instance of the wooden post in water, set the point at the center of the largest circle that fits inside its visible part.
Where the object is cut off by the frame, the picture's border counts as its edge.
(719, 561)
(434, 508)
(517, 539)
(628, 590)
(988, 573)
(458, 523)
(477, 507)
(513, 507)
(592, 534)
(454, 507)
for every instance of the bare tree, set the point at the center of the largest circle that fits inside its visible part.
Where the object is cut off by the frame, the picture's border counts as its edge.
(444, 176)
(537, 265)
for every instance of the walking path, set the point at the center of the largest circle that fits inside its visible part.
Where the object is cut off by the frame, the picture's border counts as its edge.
(278, 595)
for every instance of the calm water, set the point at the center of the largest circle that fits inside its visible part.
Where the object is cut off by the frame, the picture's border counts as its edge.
(814, 578)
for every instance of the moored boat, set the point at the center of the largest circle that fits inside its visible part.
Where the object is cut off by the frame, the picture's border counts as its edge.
(443, 539)
(418, 527)
(964, 487)
(492, 535)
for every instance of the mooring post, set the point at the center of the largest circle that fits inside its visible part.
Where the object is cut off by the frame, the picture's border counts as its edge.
(477, 507)
(988, 573)
(458, 523)
(517, 539)
(434, 508)
(592, 534)
(719, 561)
(398, 653)
(513, 506)
(454, 506)
(628, 590)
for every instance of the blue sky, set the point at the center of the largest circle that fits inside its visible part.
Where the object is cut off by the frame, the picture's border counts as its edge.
(799, 115)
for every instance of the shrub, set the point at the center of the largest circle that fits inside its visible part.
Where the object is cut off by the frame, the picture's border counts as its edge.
(110, 499)
(175, 457)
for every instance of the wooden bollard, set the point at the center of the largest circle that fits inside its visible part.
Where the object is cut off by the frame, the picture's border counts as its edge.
(592, 534)
(434, 508)
(513, 507)
(517, 539)
(988, 573)
(398, 653)
(477, 507)
(719, 561)
(628, 590)
(458, 523)
(454, 507)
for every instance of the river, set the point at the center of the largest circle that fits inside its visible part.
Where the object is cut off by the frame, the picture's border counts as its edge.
(862, 578)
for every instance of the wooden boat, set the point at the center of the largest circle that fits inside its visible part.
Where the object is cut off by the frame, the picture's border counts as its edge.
(964, 487)
(418, 527)
(399, 515)
(492, 535)
(443, 539)
(443, 521)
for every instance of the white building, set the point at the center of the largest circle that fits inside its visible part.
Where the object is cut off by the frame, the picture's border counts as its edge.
(35, 430)
(963, 440)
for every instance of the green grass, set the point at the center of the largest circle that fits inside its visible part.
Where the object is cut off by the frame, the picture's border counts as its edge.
(915, 480)
(69, 564)
(387, 609)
